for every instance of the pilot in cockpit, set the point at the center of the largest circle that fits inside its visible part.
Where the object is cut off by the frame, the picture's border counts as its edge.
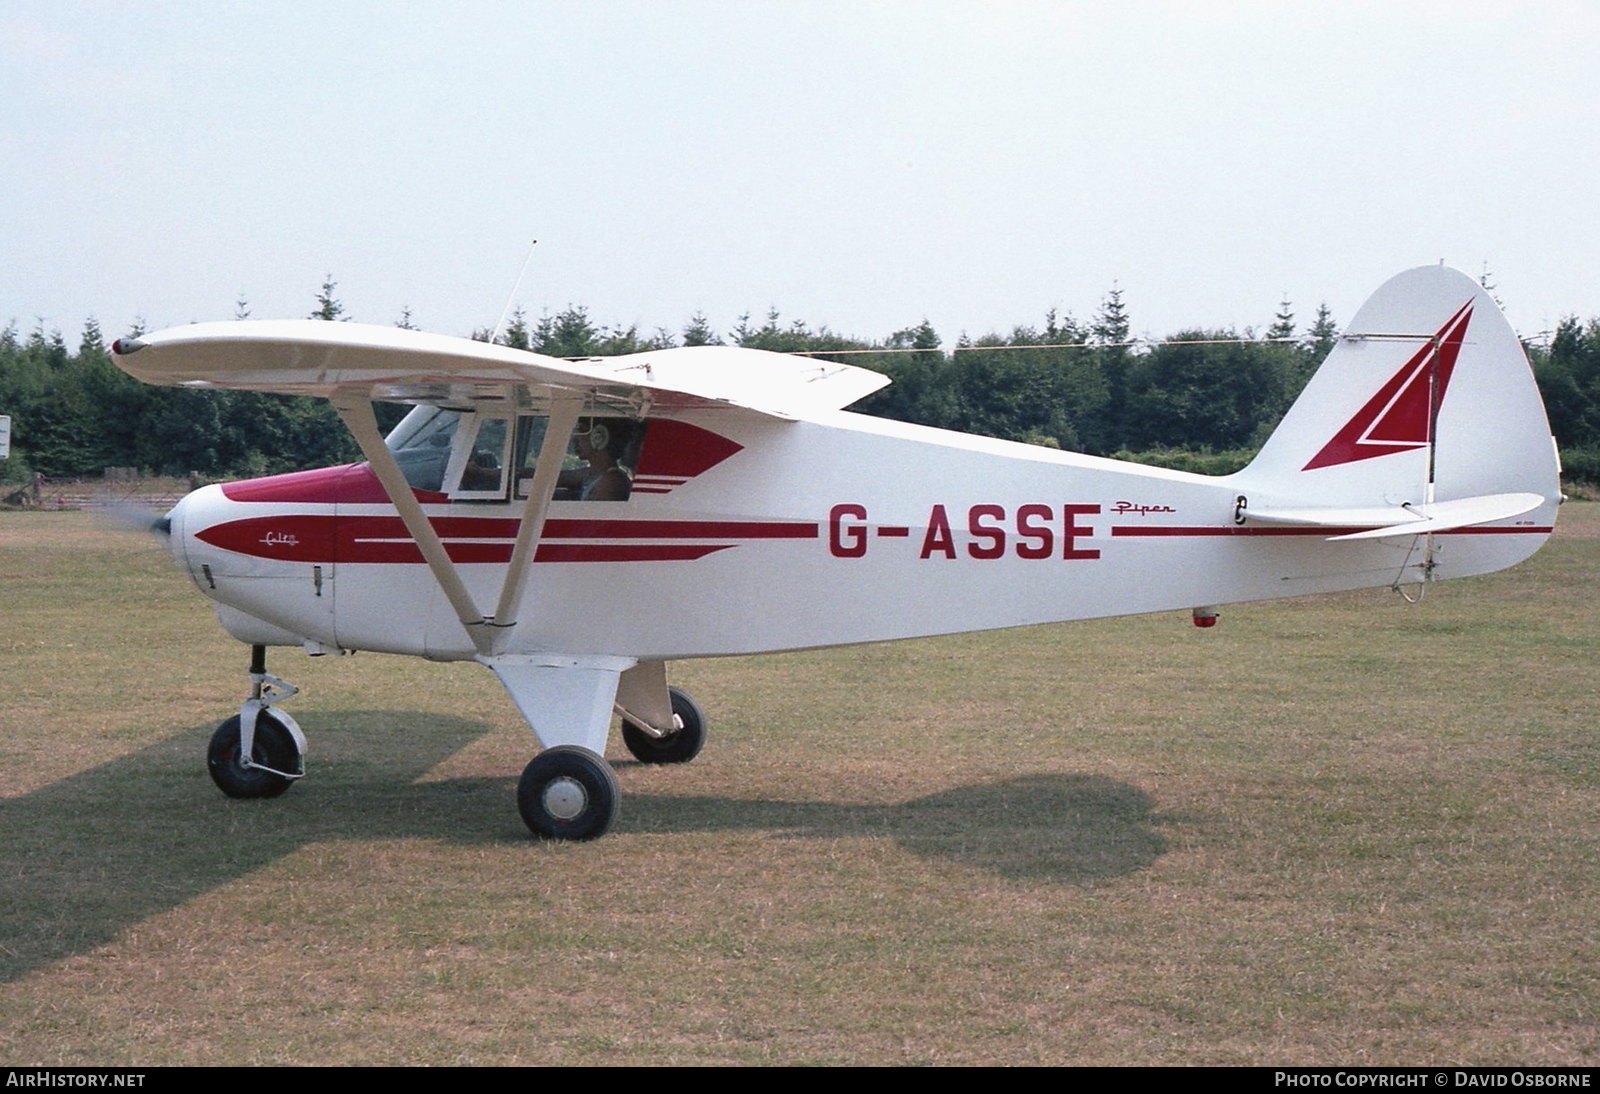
(601, 444)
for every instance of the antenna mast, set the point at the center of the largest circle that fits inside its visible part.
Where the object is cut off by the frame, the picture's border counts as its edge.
(500, 327)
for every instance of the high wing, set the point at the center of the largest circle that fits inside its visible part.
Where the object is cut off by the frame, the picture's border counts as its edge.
(352, 364)
(315, 357)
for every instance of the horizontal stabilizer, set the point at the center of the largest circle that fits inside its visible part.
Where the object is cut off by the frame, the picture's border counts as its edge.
(1382, 522)
(313, 357)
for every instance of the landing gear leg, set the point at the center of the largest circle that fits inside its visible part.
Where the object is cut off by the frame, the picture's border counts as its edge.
(568, 791)
(259, 752)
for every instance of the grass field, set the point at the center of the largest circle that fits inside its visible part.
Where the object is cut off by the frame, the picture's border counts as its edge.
(1339, 830)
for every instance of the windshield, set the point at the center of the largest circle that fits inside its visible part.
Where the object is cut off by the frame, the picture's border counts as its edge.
(421, 445)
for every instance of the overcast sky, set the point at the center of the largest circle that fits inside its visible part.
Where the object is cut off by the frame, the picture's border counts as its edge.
(860, 165)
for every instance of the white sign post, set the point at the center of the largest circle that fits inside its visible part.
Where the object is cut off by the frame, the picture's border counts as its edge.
(5, 436)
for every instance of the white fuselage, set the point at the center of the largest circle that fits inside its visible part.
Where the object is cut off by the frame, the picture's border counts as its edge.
(833, 530)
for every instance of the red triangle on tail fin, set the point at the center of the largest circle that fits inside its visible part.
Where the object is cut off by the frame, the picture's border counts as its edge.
(1399, 418)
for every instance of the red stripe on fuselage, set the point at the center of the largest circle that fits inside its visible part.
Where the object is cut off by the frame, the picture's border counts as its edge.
(677, 529)
(1309, 530)
(325, 538)
(1162, 530)
(624, 552)
(398, 551)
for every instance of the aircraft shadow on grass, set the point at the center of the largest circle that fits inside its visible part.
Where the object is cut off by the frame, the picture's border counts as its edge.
(90, 855)
(1057, 827)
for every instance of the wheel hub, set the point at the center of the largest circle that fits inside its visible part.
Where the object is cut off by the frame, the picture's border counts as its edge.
(565, 798)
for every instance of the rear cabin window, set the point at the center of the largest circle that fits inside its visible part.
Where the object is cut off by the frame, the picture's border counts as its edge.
(598, 463)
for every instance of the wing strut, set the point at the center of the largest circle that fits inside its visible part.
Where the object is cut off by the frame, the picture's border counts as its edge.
(488, 634)
(355, 410)
(564, 411)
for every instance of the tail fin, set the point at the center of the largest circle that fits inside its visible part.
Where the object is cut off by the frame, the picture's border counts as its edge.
(1425, 407)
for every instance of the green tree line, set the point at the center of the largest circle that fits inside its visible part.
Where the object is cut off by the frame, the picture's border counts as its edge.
(1203, 399)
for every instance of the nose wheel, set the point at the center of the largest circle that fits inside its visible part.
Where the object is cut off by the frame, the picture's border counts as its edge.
(272, 755)
(259, 752)
(568, 792)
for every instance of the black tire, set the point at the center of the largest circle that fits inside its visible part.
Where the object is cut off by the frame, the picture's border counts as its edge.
(677, 747)
(568, 792)
(274, 746)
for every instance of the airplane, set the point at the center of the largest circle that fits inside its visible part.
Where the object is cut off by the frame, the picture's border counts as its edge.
(574, 525)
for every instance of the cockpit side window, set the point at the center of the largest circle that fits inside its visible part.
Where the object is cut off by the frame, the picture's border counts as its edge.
(530, 440)
(486, 464)
(479, 458)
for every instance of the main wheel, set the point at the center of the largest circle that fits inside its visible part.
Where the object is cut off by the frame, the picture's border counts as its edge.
(274, 746)
(568, 792)
(678, 747)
